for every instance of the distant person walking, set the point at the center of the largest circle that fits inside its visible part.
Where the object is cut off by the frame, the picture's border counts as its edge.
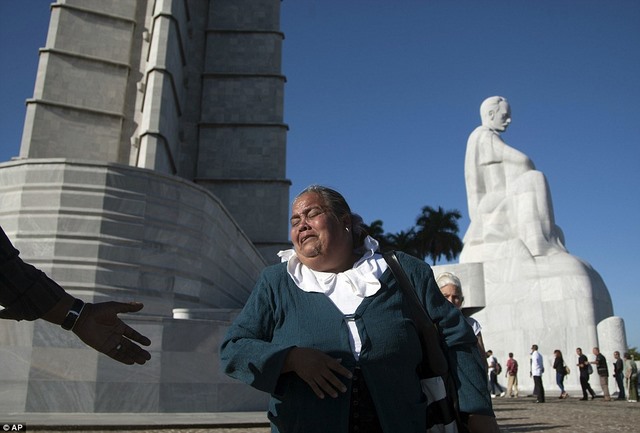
(537, 368)
(495, 387)
(603, 372)
(512, 376)
(631, 378)
(618, 374)
(584, 366)
(561, 371)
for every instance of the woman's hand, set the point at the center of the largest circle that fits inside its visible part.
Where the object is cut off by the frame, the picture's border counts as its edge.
(317, 369)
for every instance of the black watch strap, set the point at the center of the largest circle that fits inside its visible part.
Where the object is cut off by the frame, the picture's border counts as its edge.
(73, 314)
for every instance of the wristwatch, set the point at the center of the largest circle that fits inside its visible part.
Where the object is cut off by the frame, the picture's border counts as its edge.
(73, 314)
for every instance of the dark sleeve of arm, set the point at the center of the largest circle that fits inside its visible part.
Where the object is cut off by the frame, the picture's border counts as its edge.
(465, 363)
(25, 292)
(247, 352)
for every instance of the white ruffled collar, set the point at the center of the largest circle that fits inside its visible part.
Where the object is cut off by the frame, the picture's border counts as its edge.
(362, 278)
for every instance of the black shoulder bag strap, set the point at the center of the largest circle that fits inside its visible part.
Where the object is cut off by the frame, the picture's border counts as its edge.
(434, 361)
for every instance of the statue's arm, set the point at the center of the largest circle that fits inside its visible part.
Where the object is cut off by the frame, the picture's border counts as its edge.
(484, 171)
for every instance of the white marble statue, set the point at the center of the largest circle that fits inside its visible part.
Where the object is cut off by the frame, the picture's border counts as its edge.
(509, 200)
(534, 290)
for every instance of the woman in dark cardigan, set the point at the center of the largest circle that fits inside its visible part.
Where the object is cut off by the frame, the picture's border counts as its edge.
(326, 332)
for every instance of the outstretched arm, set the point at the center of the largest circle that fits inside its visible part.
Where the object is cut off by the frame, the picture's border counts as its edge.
(99, 327)
(28, 294)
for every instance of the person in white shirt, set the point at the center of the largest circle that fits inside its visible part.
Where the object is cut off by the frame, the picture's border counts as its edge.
(537, 368)
(493, 372)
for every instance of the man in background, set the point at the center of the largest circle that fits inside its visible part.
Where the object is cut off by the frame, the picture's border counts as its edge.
(618, 374)
(583, 364)
(537, 368)
(603, 372)
(512, 376)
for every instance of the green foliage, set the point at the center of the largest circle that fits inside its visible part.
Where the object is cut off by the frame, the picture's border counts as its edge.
(437, 233)
(376, 231)
(633, 351)
(434, 235)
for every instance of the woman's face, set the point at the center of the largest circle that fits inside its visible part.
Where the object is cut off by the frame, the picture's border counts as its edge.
(452, 294)
(320, 239)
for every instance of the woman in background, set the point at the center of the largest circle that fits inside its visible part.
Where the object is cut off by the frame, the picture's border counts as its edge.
(561, 371)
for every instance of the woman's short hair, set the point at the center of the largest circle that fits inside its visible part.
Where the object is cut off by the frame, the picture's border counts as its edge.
(446, 278)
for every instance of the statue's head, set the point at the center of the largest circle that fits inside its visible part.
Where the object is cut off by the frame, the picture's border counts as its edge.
(495, 113)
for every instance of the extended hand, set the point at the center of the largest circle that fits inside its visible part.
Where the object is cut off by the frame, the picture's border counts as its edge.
(100, 327)
(317, 369)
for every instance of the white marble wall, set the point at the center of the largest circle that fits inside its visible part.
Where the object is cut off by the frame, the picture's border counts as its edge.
(110, 232)
(45, 369)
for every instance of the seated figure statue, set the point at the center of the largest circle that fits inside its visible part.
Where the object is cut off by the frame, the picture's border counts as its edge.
(509, 200)
(533, 288)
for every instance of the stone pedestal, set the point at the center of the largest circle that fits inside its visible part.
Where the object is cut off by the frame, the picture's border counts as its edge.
(556, 302)
(47, 370)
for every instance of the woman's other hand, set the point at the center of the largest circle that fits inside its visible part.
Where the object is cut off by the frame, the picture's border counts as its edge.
(318, 370)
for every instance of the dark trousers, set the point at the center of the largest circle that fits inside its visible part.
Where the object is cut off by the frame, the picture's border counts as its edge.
(493, 383)
(620, 383)
(584, 383)
(538, 389)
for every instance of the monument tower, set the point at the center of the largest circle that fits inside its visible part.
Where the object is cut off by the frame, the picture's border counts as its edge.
(152, 168)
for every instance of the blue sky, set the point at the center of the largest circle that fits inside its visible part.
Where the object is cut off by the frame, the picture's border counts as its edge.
(381, 96)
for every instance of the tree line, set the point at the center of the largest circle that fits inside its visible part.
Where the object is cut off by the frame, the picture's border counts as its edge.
(434, 235)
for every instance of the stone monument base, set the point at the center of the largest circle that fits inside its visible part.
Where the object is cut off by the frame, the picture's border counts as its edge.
(47, 370)
(556, 302)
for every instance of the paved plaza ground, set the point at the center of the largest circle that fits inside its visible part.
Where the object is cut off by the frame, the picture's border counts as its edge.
(514, 415)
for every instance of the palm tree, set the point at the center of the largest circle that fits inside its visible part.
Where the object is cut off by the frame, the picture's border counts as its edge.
(404, 241)
(437, 234)
(376, 231)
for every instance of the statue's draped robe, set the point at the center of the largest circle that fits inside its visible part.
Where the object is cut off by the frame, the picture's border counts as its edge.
(509, 200)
